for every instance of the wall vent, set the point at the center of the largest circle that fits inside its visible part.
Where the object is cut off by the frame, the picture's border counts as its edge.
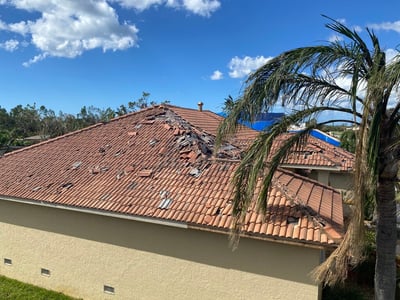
(109, 289)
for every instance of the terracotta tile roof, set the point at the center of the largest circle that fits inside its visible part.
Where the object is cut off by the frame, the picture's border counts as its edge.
(315, 154)
(164, 171)
(209, 122)
(318, 154)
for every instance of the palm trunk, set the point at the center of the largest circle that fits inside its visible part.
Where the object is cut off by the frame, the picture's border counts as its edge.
(386, 236)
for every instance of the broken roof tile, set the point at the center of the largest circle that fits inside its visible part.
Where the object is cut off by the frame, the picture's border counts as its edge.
(145, 173)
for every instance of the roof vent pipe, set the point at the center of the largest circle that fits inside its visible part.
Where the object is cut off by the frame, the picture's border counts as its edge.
(200, 104)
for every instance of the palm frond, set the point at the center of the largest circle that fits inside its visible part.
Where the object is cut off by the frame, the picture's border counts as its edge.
(352, 35)
(259, 162)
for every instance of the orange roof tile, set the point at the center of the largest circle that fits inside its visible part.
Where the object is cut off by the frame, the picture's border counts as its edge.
(98, 168)
(316, 153)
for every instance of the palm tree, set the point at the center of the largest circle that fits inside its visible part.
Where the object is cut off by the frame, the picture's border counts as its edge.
(308, 78)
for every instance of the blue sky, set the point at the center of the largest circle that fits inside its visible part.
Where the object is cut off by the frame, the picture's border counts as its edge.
(65, 54)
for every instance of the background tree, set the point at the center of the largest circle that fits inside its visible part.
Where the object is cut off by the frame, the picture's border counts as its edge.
(310, 74)
(26, 120)
(348, 140)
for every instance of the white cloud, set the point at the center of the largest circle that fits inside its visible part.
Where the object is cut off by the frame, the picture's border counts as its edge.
(241, 67)
(357, 28)
(391, 54)
(10, 45)
(341, 20)
(139, 4)
(35, 59)
(395, 26)
(217, 75)
(68, 28)
(335, 38)
(199, 7)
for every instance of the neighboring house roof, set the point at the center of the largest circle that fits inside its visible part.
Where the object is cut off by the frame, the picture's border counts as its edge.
(158, 164)
(317, 154)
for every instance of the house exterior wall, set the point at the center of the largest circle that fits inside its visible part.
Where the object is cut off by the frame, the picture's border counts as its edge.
(342, 181)
(84, 252)
(337, 180)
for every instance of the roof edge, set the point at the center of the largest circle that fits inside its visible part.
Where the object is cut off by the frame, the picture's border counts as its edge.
(96, 212)
(267, 238)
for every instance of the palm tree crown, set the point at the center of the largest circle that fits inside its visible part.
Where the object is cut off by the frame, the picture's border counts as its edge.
(309, 77)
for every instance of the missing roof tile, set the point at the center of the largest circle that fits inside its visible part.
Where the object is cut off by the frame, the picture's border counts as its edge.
(164, 194)
(119, 152)
(224, 167)
(104, 197)
(76, 165)
(98, 169)
(94, 170)
(165, 203)
(67, 185)
(132, 185)
(153, 142)
(293, 220)
(194, 172)
(120, 174)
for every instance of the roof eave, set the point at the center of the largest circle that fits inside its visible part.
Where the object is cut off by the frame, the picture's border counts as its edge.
(310, 167)
(96, 212)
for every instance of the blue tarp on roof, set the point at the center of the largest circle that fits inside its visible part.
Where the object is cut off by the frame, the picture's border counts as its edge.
(265, 120)
(325, 137)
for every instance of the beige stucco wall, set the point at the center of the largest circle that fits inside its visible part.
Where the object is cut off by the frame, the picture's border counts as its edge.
(338, 180)
(342, 181)
(84, 252)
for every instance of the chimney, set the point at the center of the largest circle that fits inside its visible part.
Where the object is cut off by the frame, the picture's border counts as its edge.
(200, 104)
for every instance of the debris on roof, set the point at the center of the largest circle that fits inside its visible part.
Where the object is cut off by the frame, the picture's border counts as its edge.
(145, 173)
(129, 169)
(132, 133)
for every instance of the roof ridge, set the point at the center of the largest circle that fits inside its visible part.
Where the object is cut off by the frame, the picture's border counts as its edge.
(211, 114)
(186, 108)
